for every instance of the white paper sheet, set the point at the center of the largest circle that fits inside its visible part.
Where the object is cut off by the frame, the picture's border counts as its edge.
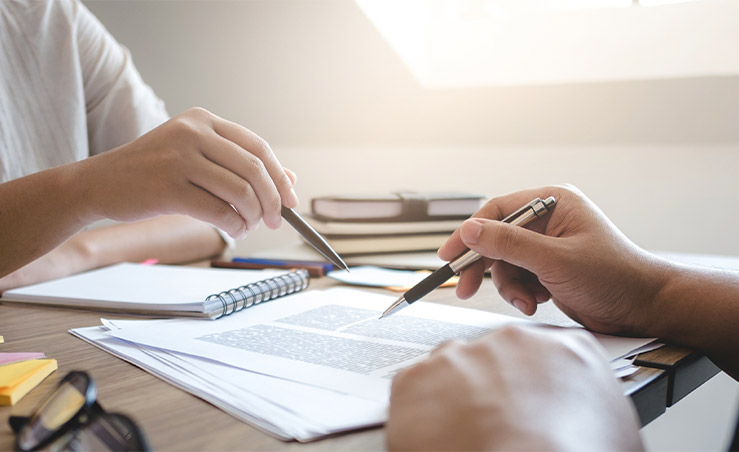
(282, 408)
(330, 339)
(371, 276)
(312, 364)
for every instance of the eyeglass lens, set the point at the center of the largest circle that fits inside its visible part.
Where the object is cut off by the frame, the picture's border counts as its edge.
(62, 406)
(106, 432)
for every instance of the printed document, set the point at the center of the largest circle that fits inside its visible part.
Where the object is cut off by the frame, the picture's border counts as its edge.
(308, 365)
(281, 408)
(331, 339)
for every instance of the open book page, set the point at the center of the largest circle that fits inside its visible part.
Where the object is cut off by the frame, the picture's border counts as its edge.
(331, 339)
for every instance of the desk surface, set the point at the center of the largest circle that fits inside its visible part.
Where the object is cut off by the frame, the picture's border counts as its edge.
(175, 420)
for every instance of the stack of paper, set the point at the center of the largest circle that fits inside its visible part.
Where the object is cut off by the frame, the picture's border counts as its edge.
(21, 372)
(312, 364)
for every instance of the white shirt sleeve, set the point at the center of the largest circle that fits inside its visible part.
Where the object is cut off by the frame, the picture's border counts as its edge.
(120, 106)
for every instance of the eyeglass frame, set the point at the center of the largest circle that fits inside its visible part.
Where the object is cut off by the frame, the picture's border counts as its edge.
(85, 415)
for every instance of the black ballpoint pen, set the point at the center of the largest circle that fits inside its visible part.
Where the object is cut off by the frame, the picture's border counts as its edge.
(521, 217)
(315, 239)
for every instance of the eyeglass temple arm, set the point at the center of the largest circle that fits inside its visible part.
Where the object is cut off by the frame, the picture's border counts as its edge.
(17, 422)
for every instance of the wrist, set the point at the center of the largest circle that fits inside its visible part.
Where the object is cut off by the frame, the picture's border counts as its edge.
(84, 190)
(665, 310)
(651, 282)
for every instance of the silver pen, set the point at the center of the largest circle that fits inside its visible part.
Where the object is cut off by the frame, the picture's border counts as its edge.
(313, 238)
(521, 217)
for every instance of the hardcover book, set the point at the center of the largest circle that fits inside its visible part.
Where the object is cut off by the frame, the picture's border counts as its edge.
(401, 207)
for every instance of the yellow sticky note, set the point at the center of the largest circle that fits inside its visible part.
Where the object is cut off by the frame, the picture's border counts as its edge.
(17, 379)
(2, 340)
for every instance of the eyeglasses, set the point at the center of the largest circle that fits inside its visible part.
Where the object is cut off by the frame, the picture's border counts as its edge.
(71, 419)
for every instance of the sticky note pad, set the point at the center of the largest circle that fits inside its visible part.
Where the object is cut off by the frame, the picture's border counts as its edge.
(17, 379)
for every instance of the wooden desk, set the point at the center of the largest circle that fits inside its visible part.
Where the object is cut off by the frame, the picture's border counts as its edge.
(175, 420)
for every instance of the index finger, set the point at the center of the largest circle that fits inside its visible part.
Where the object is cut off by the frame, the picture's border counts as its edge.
(495, 209)
(256, 145)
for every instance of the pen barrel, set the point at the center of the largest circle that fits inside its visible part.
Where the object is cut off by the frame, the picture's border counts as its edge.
(458, 264)
(430, 283)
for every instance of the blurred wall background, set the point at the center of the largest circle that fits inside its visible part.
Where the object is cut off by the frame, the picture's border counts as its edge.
(317, 80)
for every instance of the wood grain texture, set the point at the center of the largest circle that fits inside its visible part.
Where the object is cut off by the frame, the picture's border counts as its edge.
(173, 419)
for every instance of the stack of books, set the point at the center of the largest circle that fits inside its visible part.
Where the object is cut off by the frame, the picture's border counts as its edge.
(401, 222)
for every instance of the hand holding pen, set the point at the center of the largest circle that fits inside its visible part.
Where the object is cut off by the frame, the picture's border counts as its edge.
(521, 217)
(575, 256)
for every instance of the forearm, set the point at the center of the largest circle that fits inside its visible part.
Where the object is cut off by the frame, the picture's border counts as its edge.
(38, 212)
(168, 239)
(699, 307)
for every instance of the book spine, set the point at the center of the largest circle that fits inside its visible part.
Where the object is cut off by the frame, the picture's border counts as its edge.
(239, 298)
(393, 219)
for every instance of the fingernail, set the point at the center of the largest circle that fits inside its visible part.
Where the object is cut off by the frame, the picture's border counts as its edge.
(292, 199)
(520, 305)
(470, 232)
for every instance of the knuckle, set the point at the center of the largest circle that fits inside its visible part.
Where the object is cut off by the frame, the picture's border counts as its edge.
(504, 290)
(284, 181)
(244, 191)
(252, 214)
(491, 209)
(255, 165)
(185, 129)
(570, 190)
(198, 113)
(273, 201)
(224, 213)
(515, 333)
(449, 345)
(261, 146)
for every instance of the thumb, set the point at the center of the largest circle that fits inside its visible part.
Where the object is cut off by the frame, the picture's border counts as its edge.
(513, 244)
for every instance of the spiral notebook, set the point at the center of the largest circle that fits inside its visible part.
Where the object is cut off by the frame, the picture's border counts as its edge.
(162, 290)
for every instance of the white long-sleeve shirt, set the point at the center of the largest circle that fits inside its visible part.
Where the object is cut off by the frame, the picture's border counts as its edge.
(68, 89)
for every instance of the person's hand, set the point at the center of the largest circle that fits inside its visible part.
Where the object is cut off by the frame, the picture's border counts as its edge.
(574, 255)
(514, 389)
(195, 164)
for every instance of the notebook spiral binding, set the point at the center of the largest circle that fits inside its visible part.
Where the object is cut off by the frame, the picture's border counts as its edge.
(238, 298)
